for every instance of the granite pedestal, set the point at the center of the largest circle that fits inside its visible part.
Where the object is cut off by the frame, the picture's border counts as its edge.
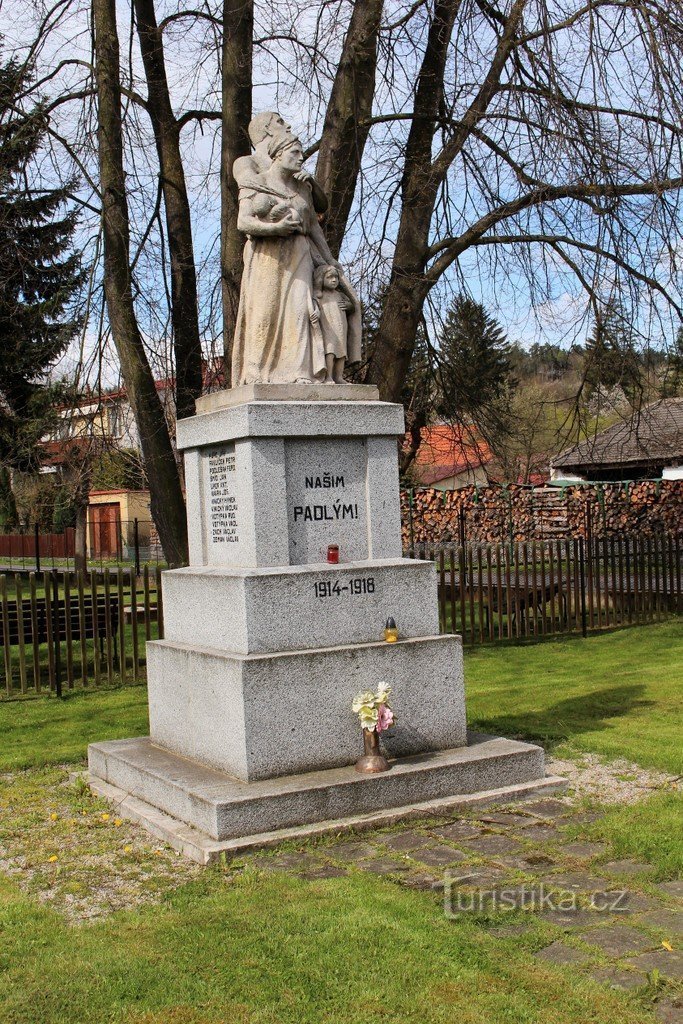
(266, 643)
(204, 813)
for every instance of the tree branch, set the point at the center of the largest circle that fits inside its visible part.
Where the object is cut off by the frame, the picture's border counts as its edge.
(488, 89)
(557, 240)
(453, 247)
(196, 15)
(198, 115)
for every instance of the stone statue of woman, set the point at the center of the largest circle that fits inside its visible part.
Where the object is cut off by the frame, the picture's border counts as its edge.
(261, 130)
(277, 335)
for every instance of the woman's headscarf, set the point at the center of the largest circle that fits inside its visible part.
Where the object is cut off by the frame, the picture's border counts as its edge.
(278, 143)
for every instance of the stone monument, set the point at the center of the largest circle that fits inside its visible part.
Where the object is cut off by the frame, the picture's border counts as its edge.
(266, 642)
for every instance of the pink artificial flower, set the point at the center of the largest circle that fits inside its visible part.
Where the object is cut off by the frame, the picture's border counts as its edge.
(385, 718)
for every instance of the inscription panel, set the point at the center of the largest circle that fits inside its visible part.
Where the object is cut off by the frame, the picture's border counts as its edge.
(257, 611)
(326, 498)
(221, 504)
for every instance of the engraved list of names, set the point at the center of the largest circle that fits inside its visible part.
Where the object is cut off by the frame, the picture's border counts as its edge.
(223, 522)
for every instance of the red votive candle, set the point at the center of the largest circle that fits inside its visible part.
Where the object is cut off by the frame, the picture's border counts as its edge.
(333, 553)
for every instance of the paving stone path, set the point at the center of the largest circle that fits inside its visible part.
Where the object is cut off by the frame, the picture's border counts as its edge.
(612, 922)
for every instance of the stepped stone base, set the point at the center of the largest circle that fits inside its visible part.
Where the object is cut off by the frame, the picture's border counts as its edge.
(262, 715)
(252, 738)
(204, 812)
(300, 607)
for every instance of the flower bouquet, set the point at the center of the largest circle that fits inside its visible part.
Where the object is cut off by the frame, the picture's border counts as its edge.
(375, 715)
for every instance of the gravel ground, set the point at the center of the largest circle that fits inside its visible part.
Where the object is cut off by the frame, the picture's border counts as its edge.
(616, 782)
(72, 852)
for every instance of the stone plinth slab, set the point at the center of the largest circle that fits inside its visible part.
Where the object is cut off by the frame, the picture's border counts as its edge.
(258, 611)
(200, 847)
(291, 419)
(260, 716)
(223, 808)
(273, 484)
(230, 397)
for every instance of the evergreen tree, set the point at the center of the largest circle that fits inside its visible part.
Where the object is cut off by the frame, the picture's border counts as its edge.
(475, 369)
(672, 381)
(611, 357)
(39, 274)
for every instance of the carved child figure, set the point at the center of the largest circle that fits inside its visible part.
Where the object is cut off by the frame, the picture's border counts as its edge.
(332, 315)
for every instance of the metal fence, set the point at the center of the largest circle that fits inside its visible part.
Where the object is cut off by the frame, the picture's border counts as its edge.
(499, 592)
(60, 629)
(114, 542)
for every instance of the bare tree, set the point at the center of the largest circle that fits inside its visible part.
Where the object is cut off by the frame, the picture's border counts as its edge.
(530, 149)
(184, 304)
(347, 118)
(167, 504)
(528, 153)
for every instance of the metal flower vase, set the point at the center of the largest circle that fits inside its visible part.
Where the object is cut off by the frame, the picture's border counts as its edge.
(372, 761)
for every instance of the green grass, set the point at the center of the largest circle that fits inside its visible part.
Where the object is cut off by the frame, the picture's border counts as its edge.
(616, 694)
(44, 730)
(264, 948)
(276, 950)
(649, 831)
(619, 695)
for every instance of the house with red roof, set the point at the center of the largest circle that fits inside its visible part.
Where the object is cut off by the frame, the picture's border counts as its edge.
(450, 456)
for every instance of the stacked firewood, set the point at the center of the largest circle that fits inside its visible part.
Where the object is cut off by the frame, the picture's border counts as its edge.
(499, 514)
(641, 506)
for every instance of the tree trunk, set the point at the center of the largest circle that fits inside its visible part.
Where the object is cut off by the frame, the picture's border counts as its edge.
(415, 422)
(8, 506)
(80, 478)
(184, 306)
(347, 120)
(396, 334)
(238, 31)
(409, 284)
(80, 538)
(167, 504)
(397, 331)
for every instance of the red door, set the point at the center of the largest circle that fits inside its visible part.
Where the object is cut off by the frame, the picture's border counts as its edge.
(105, 527)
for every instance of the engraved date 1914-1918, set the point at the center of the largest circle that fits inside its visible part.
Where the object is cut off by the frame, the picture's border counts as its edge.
(335, 588)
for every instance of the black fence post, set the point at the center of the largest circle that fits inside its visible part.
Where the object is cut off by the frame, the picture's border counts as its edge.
(36, 535)
(582, 579)
(136, 540)
(55, 633)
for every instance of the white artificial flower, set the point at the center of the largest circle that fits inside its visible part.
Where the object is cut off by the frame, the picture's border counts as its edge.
(366, 705)
(383, 693)
(365, 699)
(369, 721)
